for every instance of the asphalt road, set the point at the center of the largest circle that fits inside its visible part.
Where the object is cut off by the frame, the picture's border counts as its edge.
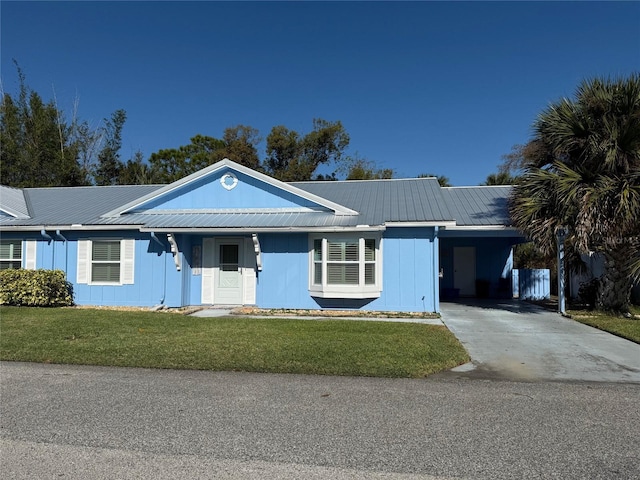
(74, 422)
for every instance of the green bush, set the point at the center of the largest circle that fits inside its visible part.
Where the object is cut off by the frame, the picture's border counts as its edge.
(35, 288)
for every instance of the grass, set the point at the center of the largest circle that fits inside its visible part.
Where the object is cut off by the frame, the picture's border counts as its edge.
(160, 340)
(628, 328)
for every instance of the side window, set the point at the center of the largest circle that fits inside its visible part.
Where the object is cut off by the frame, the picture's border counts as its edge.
(106, 261)
(10, 254)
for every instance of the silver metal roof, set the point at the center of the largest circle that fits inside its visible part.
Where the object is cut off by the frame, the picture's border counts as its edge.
(378, 203)
(12, 201)
(75, 205)
(386, 201)
(479, 206)
(236, 220)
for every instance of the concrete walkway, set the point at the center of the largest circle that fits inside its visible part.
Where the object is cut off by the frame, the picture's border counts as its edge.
(225, 312)
(519, 341)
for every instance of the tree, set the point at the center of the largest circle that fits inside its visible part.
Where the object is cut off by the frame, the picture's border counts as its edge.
(291, 157)
(358, 168)
(582, 173)
(442, 180)
(36, 147)
(173, 164)
(500, 178)
(109, 163)
(240, 146)
(136, 171)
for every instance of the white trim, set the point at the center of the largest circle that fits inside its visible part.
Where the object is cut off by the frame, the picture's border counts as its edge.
(442, 223)
(175, 251)
(257, 250)
(203, 211)
(228, 186)
(127, 261)
(477, 186)
(29, 257)
(481, 227)
(74, 228)
(14, 214)
(196, 230)
(84, 263)
(226, 163)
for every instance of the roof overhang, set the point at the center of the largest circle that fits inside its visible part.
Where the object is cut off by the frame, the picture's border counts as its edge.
(359, 228)
(443, 224)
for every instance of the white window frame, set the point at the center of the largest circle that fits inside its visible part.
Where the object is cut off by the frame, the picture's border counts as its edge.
(86, 262)
(361, 290)
(12, 259)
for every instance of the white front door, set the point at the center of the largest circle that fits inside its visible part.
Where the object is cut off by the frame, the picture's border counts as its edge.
(228, 271)
(464, 270)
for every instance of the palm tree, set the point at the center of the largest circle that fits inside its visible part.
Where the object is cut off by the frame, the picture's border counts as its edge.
(583, 174)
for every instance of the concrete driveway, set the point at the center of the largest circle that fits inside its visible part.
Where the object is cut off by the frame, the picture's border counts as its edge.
(519, 341)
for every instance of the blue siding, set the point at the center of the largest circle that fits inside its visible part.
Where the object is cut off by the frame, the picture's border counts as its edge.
(284, 279)
(208, 193)
(155, 275)
(411, 258)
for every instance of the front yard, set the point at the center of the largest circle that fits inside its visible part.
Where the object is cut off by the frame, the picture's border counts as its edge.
(162, 340)
(628, 328)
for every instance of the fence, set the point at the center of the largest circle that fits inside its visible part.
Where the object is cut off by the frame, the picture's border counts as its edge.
(532, 284)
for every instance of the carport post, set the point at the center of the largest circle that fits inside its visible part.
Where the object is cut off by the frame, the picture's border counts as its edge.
(560, 236)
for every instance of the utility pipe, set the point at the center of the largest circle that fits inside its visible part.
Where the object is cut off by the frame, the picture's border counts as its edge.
(164, 281)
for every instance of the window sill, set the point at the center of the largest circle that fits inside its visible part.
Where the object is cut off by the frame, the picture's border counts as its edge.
(338, 292)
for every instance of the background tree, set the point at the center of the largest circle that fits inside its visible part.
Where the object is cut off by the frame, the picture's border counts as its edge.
(291, 157)
(500, 178)
(240, 145)
(442, 180)
(582, 172)
(136, 171)
(36, 147)
(109, 163)
(173, 164)
(358, 168)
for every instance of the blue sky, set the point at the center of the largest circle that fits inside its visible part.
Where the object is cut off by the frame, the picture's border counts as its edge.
(421, 87)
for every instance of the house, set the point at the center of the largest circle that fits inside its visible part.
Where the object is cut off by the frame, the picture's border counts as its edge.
(229, 235)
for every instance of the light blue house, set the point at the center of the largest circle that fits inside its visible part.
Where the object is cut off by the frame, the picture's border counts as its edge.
(228, 235)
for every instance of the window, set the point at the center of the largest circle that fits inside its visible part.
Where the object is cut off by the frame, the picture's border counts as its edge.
(10, 254)
(345, 267)
(106, 261)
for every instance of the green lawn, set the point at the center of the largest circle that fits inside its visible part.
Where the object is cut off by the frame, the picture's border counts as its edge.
(161, 340)
(624, 327)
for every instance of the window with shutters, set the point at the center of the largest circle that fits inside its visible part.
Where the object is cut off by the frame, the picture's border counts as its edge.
(106, 261)
(10, 254)
(345, 267)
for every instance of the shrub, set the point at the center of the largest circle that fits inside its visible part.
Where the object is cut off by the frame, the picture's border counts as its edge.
(35, 288)
(588, 292)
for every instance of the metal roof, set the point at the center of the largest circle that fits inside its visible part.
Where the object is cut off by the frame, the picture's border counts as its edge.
(479, 206)
(12, 202)
(235, 220)
(75, 205)
(378, 203)
(386, 201)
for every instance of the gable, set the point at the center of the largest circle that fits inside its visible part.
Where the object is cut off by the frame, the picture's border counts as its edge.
(13, 203)
(228, 186)
(227, 189)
